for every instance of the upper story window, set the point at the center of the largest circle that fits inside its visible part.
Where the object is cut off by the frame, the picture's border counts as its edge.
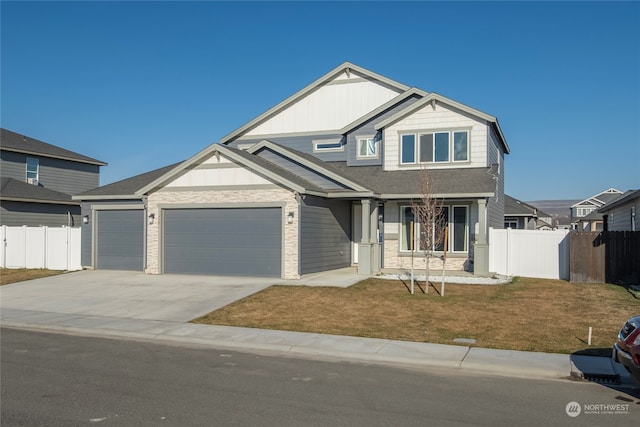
(434, 147)
(327, 145)
(367, 147)
(33, 169)
(584, 211)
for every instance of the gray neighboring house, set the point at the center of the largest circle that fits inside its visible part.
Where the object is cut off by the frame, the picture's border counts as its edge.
(38, 181)
(323, 180)
(522, 216)
(622, 214)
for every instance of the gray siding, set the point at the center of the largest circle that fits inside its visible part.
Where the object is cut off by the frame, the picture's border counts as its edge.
(368, 128)
(620, 218)
(15, 214)
(234, 241)
(302, 143)
(325, 235)
(56, 174)
(495, 205)
(301, 170)
(87, 229)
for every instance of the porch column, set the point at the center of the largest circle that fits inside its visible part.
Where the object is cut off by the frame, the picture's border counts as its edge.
(368, 252)
(481, 247)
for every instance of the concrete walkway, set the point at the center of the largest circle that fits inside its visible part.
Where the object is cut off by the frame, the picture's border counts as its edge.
(156, 309)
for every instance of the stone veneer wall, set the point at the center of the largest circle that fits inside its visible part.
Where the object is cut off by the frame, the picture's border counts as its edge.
(393, 259)
(227, 197)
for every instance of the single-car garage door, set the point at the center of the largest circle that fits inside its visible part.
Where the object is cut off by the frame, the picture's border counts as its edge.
(229, 241)
(120, 239)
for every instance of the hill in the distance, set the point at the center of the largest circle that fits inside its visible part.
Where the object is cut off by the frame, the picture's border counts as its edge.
(560, 210)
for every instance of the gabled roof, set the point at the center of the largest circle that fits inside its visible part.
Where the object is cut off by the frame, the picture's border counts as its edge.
(11, 141)
(515, 207)
(433, 98)
(600, 199)
(346, 66)
(19, 191)
(126, 188)
(624, 198)
(254, 163)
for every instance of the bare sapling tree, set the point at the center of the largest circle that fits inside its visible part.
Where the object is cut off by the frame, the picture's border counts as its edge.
(431, 217)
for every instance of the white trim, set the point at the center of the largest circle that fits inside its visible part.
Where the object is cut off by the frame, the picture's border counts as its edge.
(338, 142)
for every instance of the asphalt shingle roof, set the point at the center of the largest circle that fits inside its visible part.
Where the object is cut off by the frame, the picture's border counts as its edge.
(128, 186)
(13, 189)
(12, 141)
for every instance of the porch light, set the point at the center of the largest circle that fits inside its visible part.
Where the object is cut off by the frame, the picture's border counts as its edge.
(85, 219)
(290, 218)
(152, 218)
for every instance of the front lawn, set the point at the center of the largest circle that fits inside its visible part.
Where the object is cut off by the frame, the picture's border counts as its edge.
(10, 275)
(529, 314)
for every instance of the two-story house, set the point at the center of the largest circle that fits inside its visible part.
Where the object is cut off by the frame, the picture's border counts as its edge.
(323, 180)
(39, 180)
(585, 215)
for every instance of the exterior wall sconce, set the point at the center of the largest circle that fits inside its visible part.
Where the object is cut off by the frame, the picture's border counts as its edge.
(152, 218)
(290, 218)
(85, 219)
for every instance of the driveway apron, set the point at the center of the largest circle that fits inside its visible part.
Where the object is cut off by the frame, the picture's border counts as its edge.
(130, 295)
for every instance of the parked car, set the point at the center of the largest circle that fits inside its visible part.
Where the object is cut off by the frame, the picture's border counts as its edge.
(626, 349)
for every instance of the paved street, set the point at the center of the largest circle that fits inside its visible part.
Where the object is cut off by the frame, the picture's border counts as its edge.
(62, 380)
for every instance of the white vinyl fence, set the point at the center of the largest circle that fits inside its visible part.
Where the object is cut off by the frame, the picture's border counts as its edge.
(529, 253)
(53, 248)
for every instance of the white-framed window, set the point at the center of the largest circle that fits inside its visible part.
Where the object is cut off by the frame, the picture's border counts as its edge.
(367, 147)
(434, 147)
(33, 170)
(325, 145)
(457, 219)
(511, 223)
(584, 211)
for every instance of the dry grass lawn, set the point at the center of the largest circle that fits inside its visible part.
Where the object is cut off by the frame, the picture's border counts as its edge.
(529, 314)
(18, 275)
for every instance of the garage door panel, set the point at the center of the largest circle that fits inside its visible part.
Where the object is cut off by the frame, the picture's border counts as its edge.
(120, 240)
(235, 241)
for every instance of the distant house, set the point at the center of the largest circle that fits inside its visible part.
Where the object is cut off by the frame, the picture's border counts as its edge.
(523, 216)
(39, 179)
(621, 214)
(585, 215)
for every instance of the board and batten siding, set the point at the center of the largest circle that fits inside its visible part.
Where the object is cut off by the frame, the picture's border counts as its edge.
(331, 106)
(15, 214)
(55, 174)
(442, 118)
(325, 235)
(217, 171)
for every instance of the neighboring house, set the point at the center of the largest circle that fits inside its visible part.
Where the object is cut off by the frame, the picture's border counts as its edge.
(522, 216)
(623, 213)
(585, 215)
(323, 180)
(39, 180)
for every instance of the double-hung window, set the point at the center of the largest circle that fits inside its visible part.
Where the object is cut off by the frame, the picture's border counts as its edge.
(434, 147)
(456, 218)
(367, 147)
(33, 166)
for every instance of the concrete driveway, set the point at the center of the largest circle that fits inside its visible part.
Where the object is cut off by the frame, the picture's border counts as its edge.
(129, 295)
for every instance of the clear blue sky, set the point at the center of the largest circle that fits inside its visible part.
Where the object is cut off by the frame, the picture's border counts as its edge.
(144, 84)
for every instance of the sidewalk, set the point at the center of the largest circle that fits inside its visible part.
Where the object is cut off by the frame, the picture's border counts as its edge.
(324, 347)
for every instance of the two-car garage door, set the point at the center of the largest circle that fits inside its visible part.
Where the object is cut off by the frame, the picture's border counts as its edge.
(223, 241)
